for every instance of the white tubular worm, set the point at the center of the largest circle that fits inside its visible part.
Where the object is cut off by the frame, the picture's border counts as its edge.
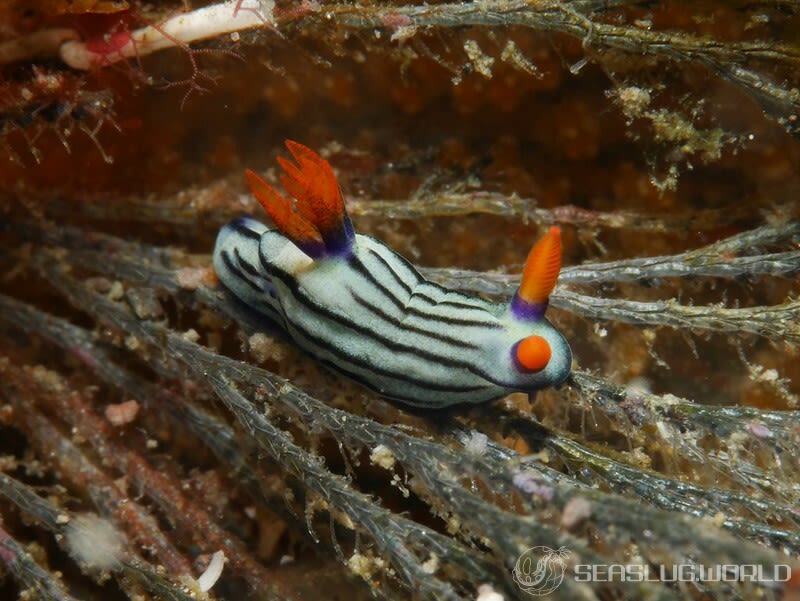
(201, 24)
(214, 570)
(363, 310)
(44, 43)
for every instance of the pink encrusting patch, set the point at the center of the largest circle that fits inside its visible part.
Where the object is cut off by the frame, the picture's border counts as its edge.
(109, 44)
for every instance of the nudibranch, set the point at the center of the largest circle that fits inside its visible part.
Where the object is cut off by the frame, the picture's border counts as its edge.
(363, 310)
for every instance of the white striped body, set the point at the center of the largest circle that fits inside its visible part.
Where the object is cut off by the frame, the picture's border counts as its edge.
(370, 315)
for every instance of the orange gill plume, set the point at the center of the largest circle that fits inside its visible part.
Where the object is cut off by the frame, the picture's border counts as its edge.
(317, 222)
(314, 185)
(287, 219)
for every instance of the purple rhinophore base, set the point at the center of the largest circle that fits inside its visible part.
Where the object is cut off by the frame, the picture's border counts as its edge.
(339, 243)
(522, 309)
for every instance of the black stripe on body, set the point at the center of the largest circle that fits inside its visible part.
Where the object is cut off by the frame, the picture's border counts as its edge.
(245, 231)
(359, 267)
(440, 296)
(320, 310)
(453, 298)
(418, 292)
(244, 234)
(252, 270)
(449, 303)
(453, 321)
(398, 323)
(341, 356)
(403, 284)
(465, 396)
(226, 258)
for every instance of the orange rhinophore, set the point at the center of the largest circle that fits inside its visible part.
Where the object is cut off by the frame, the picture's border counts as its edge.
(317, 222)
(541, 268)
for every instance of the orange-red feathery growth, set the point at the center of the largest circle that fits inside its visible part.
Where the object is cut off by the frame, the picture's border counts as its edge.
(315, 187)
(541, 268)
(316, 219)
(281, 211)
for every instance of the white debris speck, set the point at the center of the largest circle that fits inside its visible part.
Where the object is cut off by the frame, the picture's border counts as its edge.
(513, 56)
(431, 565)
(364, 565)
(94, 542)
(759, 430)
(476, 444)
(191, 278)
(263, 347)
(382, 456)
(575, 511)
(533, 483)
(487, 593)
(770, 375)
(481, 61)
(634, 100)
(637, 386)
(191, 335)
(718, 519)
(117, 291)
(403, 33)
(122, 413)
(214, 570)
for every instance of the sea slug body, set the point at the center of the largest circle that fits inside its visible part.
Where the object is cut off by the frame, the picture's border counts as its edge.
(363, 310)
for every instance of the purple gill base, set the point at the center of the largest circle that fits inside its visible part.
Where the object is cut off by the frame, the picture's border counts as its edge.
(339, 243)
(523, 310)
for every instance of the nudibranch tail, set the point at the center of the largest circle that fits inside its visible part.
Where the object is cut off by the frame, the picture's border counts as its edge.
(319, 223)
(539, 276)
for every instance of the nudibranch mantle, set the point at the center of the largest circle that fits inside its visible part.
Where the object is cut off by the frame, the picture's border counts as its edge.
(363, 310)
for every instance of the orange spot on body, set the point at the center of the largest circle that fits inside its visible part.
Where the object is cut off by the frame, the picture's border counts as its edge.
(541, 268)
(533, 353)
